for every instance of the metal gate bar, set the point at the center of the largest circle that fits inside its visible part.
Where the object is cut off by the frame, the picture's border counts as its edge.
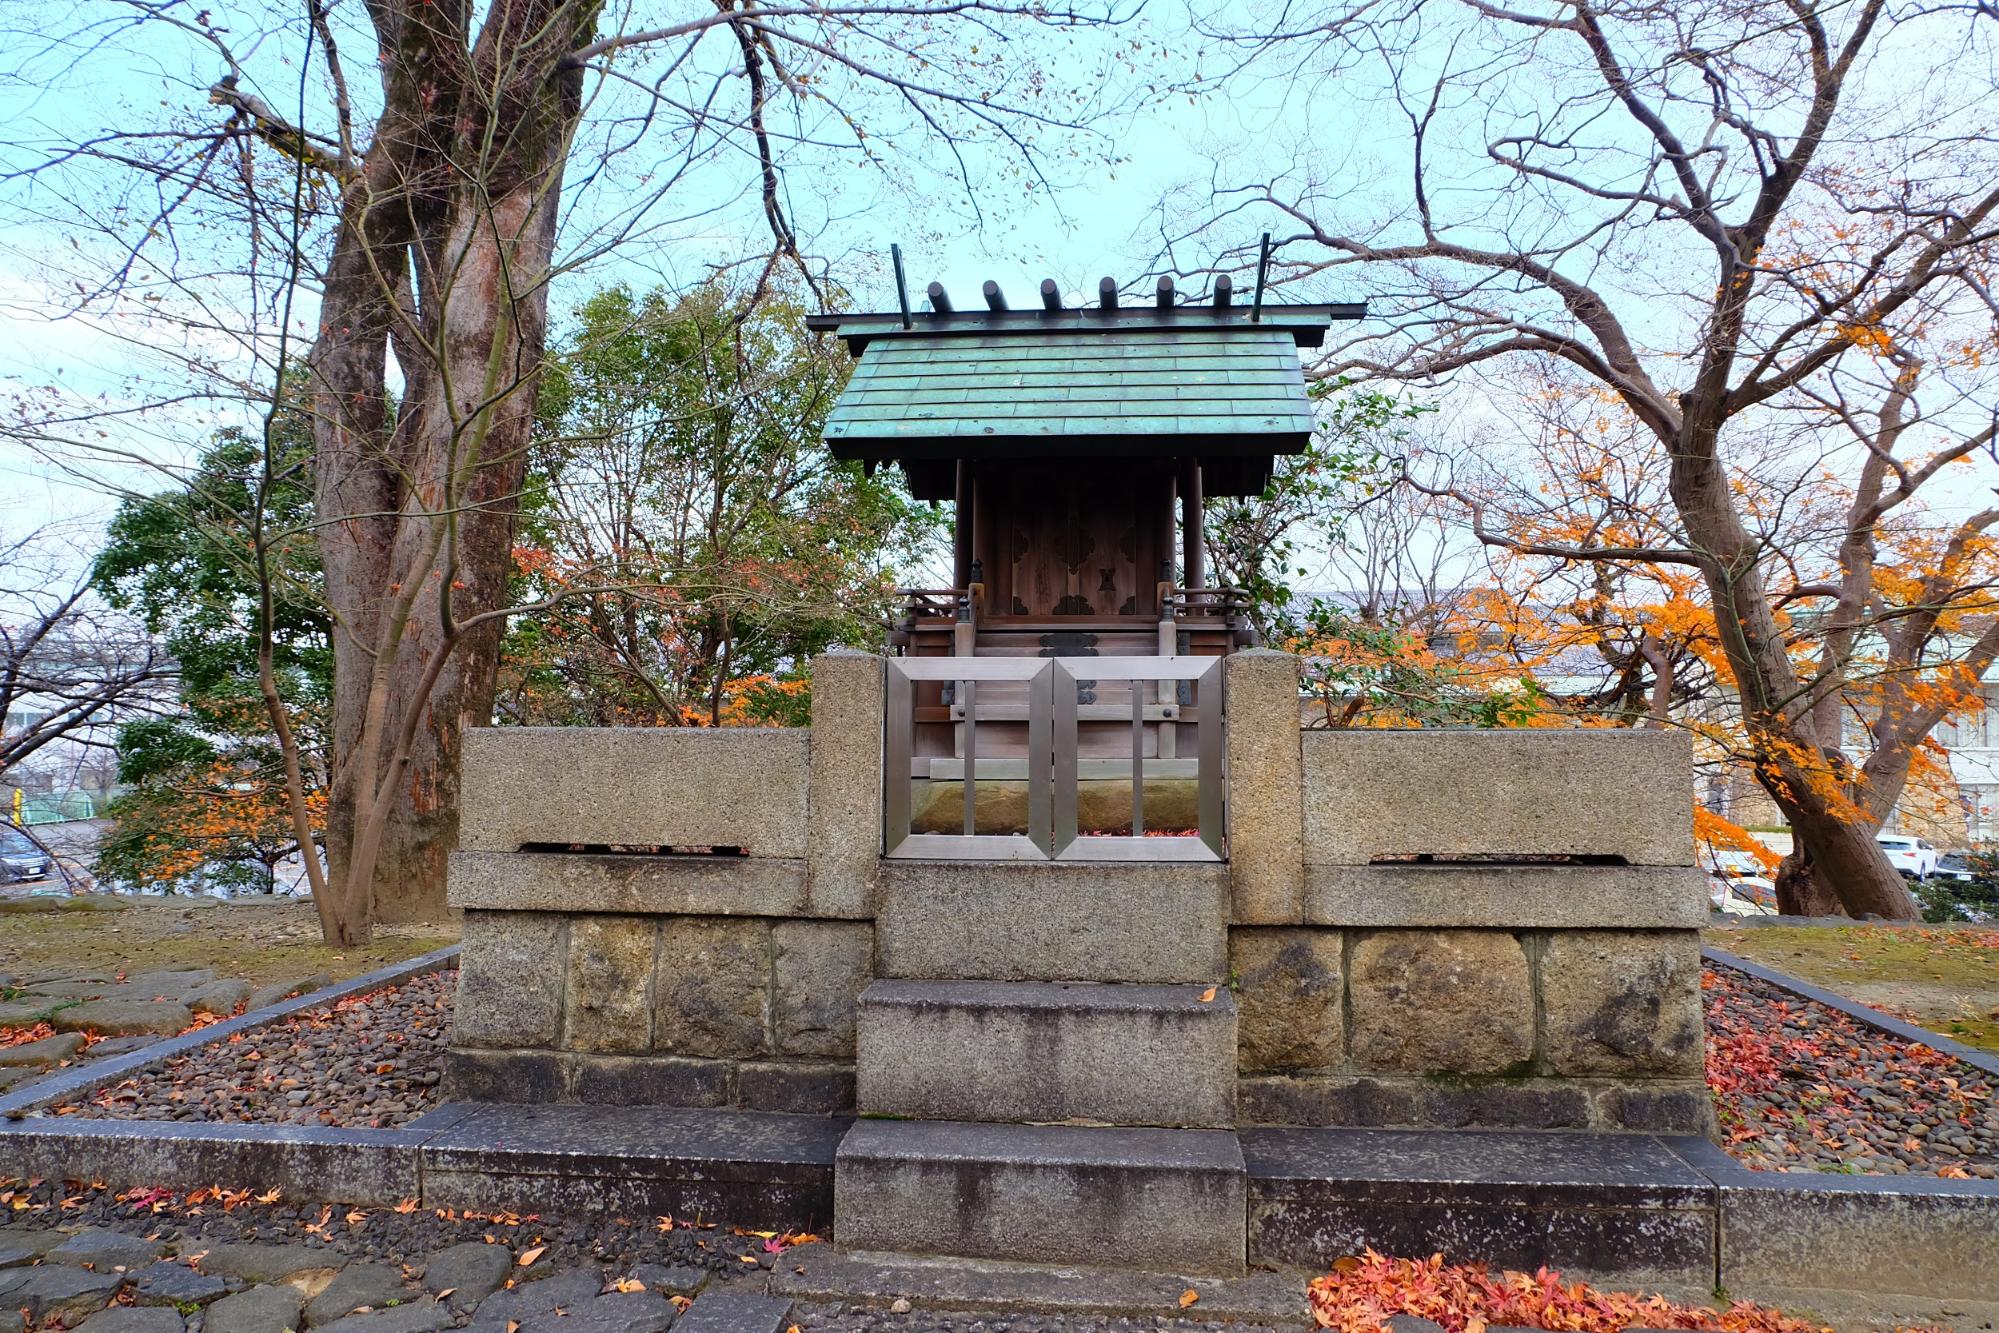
(1206, 675)
(1053, 714)
(899, 747)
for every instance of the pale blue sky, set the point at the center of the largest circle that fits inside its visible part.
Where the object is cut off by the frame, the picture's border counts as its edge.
(1335, 131)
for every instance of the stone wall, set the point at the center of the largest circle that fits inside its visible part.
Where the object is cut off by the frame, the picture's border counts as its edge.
(1491, 928)
(1422, 927)
(662, 1009)
(1543, 1029)
(676, 917)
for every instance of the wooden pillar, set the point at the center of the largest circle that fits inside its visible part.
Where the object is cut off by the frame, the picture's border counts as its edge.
(984, 548)
(961, 534)
(1194, 555)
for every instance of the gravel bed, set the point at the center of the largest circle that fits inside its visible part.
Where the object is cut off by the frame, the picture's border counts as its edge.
(370, 1060)
(1799, 1086)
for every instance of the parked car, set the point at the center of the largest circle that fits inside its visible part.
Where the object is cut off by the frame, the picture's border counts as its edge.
(1742, 895)
(1956, 867)
(20, 859)
(1914, 857)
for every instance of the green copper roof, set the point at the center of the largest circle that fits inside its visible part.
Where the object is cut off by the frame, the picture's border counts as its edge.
(1204, 380)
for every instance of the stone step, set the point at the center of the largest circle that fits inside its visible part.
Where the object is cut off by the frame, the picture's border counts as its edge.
(1013, 1051)
(1052, 921)
(1171, 1200)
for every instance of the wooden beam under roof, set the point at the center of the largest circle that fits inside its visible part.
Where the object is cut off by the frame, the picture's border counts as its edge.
(1306, 324)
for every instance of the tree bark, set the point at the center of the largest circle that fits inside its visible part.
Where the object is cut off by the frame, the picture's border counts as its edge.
(443, 255)
(1801, 891)
(1805, 774)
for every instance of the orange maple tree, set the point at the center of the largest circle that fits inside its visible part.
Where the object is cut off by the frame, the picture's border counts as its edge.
(225, 821)
(1747, 258)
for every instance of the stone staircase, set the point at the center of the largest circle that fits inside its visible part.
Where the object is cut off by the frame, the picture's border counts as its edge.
(1044, 1103)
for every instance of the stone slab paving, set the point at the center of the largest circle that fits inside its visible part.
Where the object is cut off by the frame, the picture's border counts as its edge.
(371, 1060)
(211, 1261)
(1800, 1086)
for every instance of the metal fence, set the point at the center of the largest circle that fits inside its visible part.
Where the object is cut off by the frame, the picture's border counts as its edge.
(65, 807)
(1049, 694)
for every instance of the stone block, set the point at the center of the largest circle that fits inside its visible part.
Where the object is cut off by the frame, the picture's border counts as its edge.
(47, 1051)
(1602, 1206)
(637, 1161)
(844, 818)
(1266, 793)
(1655, 1106)
(1044, 1052)
(362, 1166)
(819, 971)
(505, 1076)
(1365, 1101)
(1288, 991)
(1503, 1104)
(1372, 795)
(1441, 1002)
(510, 980)
(1509, 897)
(803, 1088)
(727, 1311)
(572, 882)
(711, 987)
(266, 1309)
(1622, 1002)
(113, 1016)
(650, 1080)
(1168, 1199)
(1052, 921)
(1326, 1099)
(607, 1004)
(634, 786)
(103, 1249)
(1907, 1235)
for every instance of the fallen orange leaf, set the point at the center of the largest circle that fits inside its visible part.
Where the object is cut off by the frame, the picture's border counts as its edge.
(1189, 1296)
(529, 1256)
(1208, 995)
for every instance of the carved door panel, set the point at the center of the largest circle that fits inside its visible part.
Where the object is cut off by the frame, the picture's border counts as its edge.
(1076, 540)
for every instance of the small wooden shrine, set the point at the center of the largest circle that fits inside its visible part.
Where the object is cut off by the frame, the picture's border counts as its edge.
(1077, 445)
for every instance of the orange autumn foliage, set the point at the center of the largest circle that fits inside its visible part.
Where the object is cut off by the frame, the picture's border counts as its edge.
(1363, 1292)
(219, 813)
(1713, 831)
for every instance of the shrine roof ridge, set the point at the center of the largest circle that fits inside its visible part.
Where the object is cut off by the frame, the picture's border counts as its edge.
(1306, 324)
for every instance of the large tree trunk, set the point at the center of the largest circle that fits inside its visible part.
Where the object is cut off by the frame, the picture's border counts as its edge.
(1804, 773)
(461, 190)
(1836, 868)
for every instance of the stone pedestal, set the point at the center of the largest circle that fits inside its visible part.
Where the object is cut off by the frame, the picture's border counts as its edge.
(1412, 928)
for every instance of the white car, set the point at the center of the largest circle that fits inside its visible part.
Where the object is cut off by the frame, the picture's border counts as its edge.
(1914, 857)
(1742, 895)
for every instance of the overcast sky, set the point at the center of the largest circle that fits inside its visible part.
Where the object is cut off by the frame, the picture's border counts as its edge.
(69, 68)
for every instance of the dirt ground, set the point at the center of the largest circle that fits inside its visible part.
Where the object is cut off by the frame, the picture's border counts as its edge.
(257, 942)
(1944, 978)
